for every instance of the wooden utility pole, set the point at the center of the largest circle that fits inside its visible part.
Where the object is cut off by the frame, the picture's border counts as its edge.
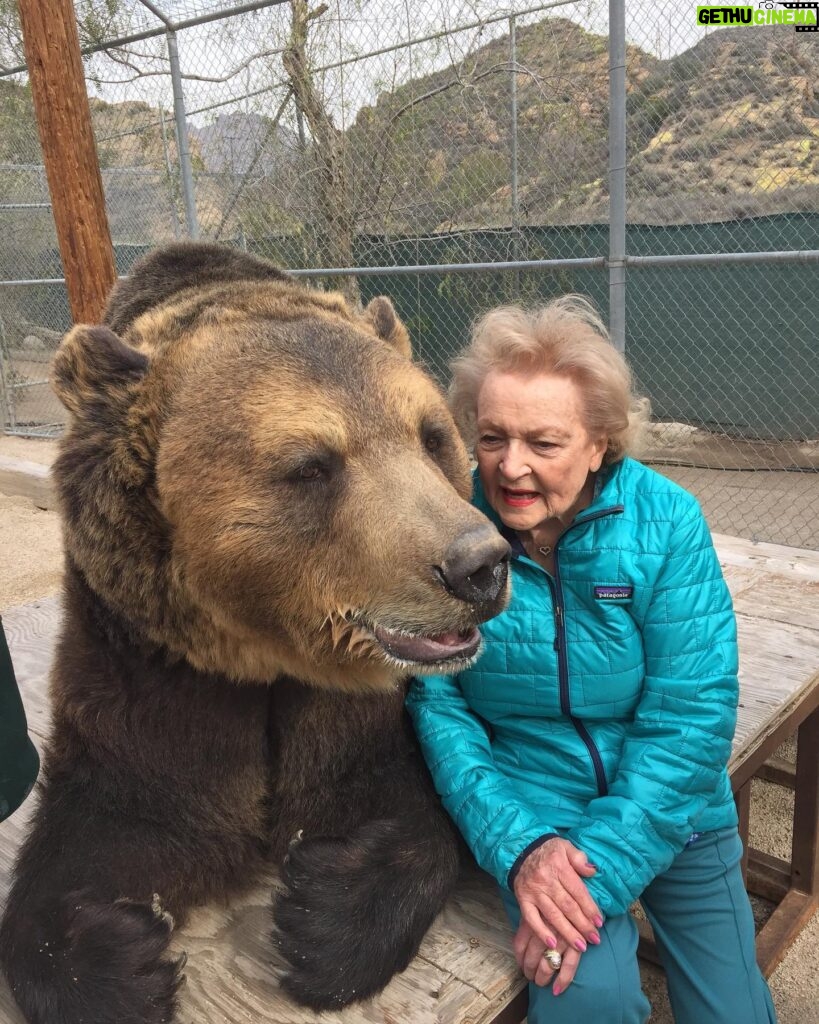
(52, 46)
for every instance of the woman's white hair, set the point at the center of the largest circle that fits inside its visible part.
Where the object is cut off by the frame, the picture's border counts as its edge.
(567, 338)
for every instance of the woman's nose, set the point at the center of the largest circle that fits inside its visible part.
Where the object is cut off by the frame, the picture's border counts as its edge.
(513, 464)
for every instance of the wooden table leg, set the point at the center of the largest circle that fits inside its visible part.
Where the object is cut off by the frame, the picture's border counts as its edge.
(802, 898)
(514, 1012)
(805, 850)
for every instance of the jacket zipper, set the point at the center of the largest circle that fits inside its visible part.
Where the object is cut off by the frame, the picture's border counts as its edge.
(562, 660)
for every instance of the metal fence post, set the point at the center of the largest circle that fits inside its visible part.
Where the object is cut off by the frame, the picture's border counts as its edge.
(182, 137)
(513, 157)
(6, 393)
(617, 173)
(513, 58)
(169, 172)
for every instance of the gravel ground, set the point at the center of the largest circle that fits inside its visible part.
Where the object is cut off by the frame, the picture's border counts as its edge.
(30, 552)
(30, 567)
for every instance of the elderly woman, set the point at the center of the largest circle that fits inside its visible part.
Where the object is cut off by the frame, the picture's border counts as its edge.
(584, 755)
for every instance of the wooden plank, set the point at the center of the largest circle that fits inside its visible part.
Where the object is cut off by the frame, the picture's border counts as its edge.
(779, 663)
(738, 578)
(768, 876)
(28, 480)
(781, 929)
(793, 563)
(777, 599)
(31, 630)
(472, 938)
(233, 972)
(778, 772)
(772, 732)
(9, 1014)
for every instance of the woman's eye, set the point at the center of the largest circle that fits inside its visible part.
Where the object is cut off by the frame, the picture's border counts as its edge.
(543, 445)
(489, 440)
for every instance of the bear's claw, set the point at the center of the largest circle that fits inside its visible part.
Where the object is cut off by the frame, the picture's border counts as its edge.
(108, 966)
(352, 914)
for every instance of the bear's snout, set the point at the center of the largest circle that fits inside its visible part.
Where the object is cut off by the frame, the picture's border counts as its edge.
(475, 566)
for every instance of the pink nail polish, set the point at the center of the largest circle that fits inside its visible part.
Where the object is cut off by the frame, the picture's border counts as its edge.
(598, 921)
(594, 939)
(556, 990)
(551, 943)
(581, 945)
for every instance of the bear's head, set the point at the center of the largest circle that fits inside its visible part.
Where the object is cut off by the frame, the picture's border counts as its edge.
(258, 479)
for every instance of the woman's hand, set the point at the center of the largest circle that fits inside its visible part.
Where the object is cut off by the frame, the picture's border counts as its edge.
(553, 898)
(529, 953)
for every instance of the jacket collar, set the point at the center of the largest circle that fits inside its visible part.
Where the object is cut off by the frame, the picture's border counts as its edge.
(609, 498)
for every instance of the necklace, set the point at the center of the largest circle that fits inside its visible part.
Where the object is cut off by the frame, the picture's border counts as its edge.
(544, 550)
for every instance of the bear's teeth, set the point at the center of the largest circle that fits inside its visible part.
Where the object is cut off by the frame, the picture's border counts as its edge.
(426, 649)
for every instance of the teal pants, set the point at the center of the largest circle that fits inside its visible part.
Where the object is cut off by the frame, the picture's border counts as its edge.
(705, 936)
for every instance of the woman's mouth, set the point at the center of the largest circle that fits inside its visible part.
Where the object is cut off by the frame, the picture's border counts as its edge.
(519, 499)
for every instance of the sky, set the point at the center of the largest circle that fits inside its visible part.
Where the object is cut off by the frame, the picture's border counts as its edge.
(214, 50)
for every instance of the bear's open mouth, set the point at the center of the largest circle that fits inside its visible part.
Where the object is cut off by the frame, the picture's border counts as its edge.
(425, 650)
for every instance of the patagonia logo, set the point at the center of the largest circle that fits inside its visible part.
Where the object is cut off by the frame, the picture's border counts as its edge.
(614, 592)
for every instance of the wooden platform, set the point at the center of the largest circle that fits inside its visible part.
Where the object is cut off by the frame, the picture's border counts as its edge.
(465, 972)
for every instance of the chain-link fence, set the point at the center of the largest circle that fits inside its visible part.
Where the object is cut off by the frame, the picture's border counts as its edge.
(454, 156)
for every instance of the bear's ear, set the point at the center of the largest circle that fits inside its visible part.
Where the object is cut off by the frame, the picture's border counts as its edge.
(381, 314)
(93, 364)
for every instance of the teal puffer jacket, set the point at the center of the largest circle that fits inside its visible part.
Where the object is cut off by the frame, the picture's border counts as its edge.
(604, 703)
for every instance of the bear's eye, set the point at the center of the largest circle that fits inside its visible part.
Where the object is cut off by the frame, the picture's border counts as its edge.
(434, 439)
(318, 467)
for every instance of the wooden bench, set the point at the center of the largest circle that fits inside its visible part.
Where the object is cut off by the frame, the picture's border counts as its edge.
(465, 972)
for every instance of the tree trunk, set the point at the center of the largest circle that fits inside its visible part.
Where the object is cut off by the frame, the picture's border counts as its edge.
(328, 141)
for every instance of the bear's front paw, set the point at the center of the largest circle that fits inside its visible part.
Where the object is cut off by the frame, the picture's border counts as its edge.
(352, 914)
(105, 964)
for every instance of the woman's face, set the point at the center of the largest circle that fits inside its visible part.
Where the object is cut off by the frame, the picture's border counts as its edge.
(535, 455)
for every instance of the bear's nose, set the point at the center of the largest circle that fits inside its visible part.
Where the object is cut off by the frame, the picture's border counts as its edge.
(475, 565)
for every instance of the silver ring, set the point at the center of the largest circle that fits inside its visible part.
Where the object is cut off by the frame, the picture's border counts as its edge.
(553, 958)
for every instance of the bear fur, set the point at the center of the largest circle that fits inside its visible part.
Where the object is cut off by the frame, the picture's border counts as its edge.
(267, 531)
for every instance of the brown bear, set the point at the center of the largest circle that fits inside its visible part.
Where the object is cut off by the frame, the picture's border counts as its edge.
(267, 532)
